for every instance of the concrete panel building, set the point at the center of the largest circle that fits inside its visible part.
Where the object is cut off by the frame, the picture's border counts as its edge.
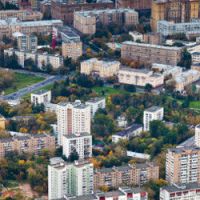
(41, 97)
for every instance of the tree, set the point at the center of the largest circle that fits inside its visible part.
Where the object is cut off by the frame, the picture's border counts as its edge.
(130, 88)
(73, 156)
(148, 87)
(157, 128)
(186, 59)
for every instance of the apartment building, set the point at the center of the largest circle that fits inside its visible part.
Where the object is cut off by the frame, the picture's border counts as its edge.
(80, 143)
(85, 21)
(153, 38)
(139, 77)
(149, 53)
(4, 28)
(186, 78)
(41, 59)
(123, 193)
(41, 97)
(27, 43)
(125, 175)
(102, 68)
(189, 191)
(197, 135)
(27, 144)
(166, 28)
(136, 36)
(69, 179)
(151, 114)
(96, 104)
(176, 11)
(73, 118)
(2, 123)
(22, 15)
(182, 165)
(64, 10)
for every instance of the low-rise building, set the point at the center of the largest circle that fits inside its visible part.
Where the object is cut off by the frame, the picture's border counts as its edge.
(41, 59)
(137, 174)
(41, 97)
(149, 53)
(136, 36)
(153, 38)
(80, 143)
(140, 77)
(131, 131)
(180, 192)
(151, 114)
(85, 21)
(101, 68)
(28, 143)
(186, 78)
(195, 57)
(96, 104)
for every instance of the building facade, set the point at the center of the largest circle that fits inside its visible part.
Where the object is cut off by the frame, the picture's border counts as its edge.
(64, 179)
(41, 97)
(151, 114)
(80, 143)
(27, 43)
(149, 53)
(101, 68)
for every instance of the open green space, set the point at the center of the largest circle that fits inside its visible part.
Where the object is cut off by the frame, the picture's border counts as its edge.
(195, 105)
(106, 91)
(22, 81)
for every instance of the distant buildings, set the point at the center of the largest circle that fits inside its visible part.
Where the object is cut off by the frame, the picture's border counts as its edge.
(151, 114)
(85, 21)
(27, 43)
(125, 175)
(41, 97)
(136, 36)
(140, 77)
(69, 179)
(96, 104)
(189, 191)
(101, 68)
(149, 53)
(27, 144)
(73, 118)
(80, 143)
(197, 135)
(2, 123)
(131, 131)
(40, 59)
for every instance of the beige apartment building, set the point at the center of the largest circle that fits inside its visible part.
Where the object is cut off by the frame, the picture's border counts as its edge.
(72, 49)
(23, 15)
(139, 77)
(85, 21)
(182, 165)
(149, 53)
(125, 175)
(27, 144)
(101, 68)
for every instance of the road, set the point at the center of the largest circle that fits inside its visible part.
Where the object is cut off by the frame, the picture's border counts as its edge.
(22, 92)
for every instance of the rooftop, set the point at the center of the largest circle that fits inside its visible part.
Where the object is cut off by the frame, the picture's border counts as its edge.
(153, 109)
(40, 92)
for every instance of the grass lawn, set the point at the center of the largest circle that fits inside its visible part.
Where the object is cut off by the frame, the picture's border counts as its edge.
(108, 90)
(22, 81)
(195, 105)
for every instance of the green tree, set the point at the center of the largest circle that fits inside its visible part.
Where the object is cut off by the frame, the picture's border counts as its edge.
(186, 59)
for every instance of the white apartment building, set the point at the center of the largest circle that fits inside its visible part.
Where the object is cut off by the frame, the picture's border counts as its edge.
(136, 36)
(182, 165)
(180, 192)
(81, 143)
(100, 67)
(40, 59)
(95, 104)
(139, 77)
(186, 78)
(167, 28)
(151, 114)
(73, 118)
(197, 135)
(41, 97)
(69, 179)
(195, 57)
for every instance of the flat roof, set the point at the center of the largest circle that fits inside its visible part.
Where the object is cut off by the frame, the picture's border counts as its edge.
(153, 109)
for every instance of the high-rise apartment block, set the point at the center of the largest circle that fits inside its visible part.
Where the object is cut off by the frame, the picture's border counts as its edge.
(101, 68)
(27, 43)
(73, 118)
(80, 143)
(137, 174)
(151, 114)
(149, 53)
(85, 21)
(182, 165)
(27, 144)
(69, 179)
(189, 191)
(176, 11)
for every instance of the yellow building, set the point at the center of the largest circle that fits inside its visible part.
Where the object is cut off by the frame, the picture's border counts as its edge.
(174, 10)
(2, 123)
